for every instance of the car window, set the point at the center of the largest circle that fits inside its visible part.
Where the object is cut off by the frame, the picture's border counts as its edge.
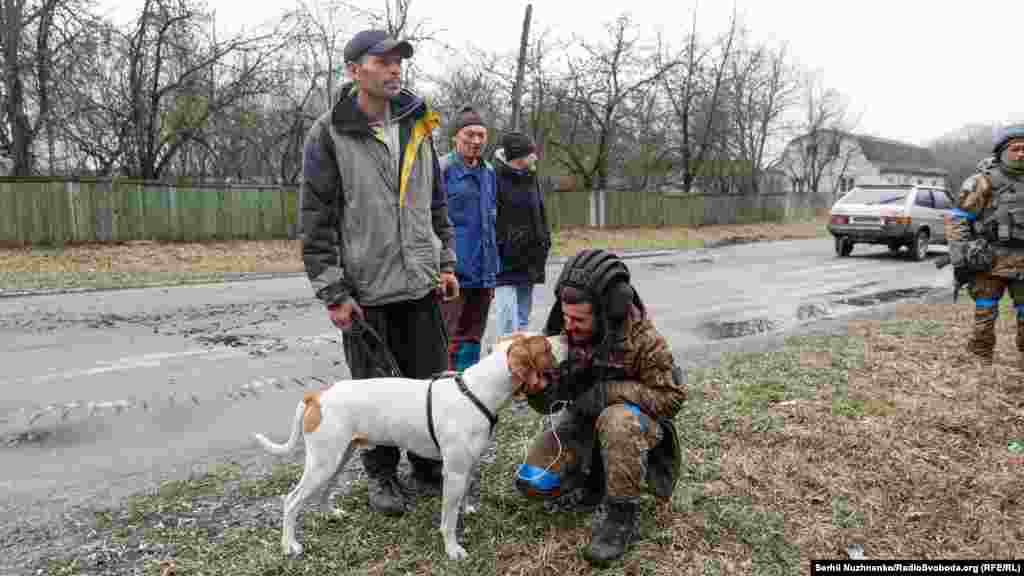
(941, 200)
(874, 196)
(924, 198)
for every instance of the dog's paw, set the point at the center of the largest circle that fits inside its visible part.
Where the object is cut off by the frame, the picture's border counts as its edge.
(292, 549)
(456, 552)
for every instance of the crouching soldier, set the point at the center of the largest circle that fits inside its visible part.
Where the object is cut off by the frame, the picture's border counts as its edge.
(620, 389)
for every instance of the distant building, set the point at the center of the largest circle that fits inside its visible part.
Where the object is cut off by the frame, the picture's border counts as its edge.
(841, 160)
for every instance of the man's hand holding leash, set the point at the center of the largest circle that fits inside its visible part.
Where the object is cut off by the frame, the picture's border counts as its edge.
(449, 288)
(343, 315)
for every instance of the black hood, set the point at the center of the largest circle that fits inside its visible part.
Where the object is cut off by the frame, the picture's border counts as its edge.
(503, 169)
(348, 117)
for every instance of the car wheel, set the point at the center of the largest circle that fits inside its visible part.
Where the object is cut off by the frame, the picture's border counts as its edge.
(844, 246)
(919, 251)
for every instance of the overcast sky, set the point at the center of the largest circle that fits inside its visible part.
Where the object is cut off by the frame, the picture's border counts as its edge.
(911, 69)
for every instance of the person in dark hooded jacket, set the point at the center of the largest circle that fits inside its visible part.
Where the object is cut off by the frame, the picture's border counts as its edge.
(524, 238)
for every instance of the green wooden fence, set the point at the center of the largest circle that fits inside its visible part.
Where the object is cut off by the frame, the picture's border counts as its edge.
(58, 211)
(42, 211)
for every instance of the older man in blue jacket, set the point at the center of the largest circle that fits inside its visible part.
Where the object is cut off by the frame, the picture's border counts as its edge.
(472, 207)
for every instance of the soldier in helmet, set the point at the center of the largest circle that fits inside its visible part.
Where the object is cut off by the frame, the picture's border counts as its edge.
(991, 211)
(620, 389)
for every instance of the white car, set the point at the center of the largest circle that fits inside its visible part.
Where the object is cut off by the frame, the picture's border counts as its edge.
(910, 215)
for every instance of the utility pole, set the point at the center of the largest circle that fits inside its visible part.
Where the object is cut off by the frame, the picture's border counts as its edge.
(517, 90)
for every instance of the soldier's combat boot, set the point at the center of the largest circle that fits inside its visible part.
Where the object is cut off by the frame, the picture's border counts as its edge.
(615, 525)
(385, 494)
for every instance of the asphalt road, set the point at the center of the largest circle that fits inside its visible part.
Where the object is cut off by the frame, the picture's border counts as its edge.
(179, 377)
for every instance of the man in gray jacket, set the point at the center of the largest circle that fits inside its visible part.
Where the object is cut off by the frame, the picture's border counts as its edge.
(377, 242)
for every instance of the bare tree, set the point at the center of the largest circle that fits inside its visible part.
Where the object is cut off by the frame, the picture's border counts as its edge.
(598, 84)
(172, 87)
(822, 146)
(761, 88)
(317, 35)
(694, 90)
(19, 134)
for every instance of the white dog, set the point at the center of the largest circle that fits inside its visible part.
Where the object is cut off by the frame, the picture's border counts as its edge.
(393, 412)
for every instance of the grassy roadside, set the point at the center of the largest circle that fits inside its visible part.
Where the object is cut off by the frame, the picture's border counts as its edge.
(139, 264)
(882, 437)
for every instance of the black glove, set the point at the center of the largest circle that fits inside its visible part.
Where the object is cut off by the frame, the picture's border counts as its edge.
(549, 400)
(593, 401)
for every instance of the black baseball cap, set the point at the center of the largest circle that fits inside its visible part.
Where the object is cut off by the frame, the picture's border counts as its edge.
(375, 42)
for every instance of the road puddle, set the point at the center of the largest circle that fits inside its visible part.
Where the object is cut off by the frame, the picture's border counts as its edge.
(852, 289)
(739, 328)
(884, 297)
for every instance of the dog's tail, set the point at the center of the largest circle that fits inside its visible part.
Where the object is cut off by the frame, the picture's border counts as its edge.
(281, 449)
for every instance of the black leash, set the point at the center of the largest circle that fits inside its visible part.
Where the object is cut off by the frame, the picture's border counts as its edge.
(378, 351)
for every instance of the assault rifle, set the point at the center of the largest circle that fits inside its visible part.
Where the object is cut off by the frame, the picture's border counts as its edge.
(961, 276)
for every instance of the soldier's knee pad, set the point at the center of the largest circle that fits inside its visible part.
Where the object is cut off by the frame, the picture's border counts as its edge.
(619, 418)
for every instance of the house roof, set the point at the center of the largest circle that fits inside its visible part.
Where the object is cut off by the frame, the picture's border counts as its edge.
(894, 156)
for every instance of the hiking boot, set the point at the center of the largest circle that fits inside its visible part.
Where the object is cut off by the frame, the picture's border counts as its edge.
(426, 480)
(614, 526)
(584, 498)
(385, 494)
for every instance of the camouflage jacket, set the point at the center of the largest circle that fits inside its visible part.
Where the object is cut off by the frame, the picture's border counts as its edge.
(976, 197)
(642, 369)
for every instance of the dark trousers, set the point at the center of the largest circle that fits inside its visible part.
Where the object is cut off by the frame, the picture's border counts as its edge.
(466, 319)
(414, 331)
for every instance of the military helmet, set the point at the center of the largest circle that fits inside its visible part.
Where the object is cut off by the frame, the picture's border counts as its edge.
(604, 278)
(592, 271)
(1004, 135)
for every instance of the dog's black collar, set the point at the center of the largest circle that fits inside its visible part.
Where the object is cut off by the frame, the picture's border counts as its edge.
(465, 391)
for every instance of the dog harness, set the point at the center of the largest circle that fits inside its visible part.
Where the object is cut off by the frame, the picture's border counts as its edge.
(466, 392)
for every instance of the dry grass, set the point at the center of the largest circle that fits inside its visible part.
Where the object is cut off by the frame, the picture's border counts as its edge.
(886, 437)
(572, 240)
(914, 457)
(150, 263)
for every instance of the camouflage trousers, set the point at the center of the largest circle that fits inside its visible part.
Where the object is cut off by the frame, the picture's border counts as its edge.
(560, 458)
(987, 290)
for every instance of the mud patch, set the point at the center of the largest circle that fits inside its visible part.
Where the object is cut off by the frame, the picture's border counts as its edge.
(64, 434)
(732, 241)
(739, 328)
(258, 344)
(186, 321)
(884, 297)
(812, 311)
(852, 289)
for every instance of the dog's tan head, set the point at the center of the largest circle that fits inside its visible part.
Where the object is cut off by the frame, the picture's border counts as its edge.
(531, 360)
